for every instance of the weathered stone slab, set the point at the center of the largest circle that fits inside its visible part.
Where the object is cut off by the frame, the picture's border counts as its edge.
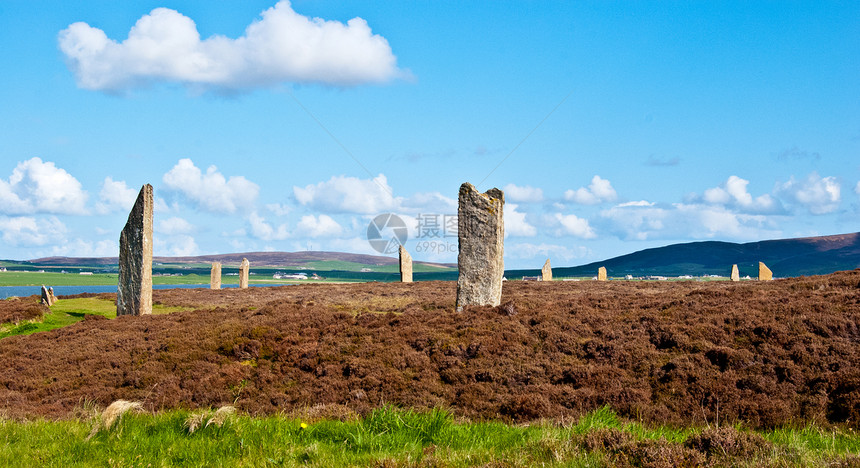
(764, 273)
(47, 296)
(134, 290)
(215, 276)
(546, 271)
(736, 276)
(481, 233)
(405, 265)
(52, 296)
(244, 270)
(601, 274)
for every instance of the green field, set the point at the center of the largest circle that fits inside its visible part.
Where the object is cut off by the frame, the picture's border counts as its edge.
(389, 437)
(68, 311)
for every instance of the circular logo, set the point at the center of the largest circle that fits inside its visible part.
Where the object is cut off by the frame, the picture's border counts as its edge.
(386, 233)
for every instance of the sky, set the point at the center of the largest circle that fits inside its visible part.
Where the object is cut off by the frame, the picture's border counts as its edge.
(610, 126)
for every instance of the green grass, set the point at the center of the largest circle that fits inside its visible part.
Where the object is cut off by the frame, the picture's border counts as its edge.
(68, 311)
(385, 437)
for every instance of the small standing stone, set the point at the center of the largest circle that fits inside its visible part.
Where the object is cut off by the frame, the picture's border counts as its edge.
(134, 289)
(481, 233)
(51, 295)
(244, 268)
(46, 297)
(736, 276)
(601, 274)
(546, 271)
(215, 276)
(405, 265)
(764, 273)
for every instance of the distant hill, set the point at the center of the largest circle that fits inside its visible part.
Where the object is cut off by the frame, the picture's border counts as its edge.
(271, 259)
(785, 257)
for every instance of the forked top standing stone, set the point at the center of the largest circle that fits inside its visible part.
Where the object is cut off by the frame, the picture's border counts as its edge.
(134, 291)
(546, 271)
(244, 268)
(481, 232)
(405, 265)
(215, 276)
(764, 273)
(736, 276)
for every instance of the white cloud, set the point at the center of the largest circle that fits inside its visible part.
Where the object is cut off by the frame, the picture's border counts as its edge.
(734, 193)
(281, 46)
(819, 195)
(685, 221)
(322, 226)
(21, 231)
(264, 231)
(173, 226)
(544, 250)
(598, 191)
(115, 196)
(574, 226)
(857, 188)
(175, 246)
(342, 194)
(525, 194)
(41, 187)
(211, 191)
(82, 248)
(278, 209)
(428, 202)
(515, 223)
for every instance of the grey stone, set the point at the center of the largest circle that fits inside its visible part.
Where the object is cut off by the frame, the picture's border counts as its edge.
(481, 232)
(134, 290)
(601, 274)
(546, 272)
(405, 265)
(215, 276)
(764, 273)
(244, 269)
(47, 296)
(736, 276)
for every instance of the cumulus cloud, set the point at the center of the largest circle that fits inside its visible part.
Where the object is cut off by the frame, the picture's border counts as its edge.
(819, 195)
(515, 223)
(278, 209)
(544, 250)
(83, 248)
(322, 226)
(264, 231)
(524, 194)
(428, 202)
(857, 188)
(173, 226)
(175, 246)
(41, 187)
(211, 191)
(648, 221)
(115, 195)
(280, 46)
(598, 191)
(734, 193)
(342, 194)
(572, 225)
(27, 231)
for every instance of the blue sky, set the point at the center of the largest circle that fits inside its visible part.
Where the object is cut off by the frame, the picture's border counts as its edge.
(611, 126)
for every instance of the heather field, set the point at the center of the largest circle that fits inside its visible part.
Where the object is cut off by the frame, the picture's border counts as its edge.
(770, 357)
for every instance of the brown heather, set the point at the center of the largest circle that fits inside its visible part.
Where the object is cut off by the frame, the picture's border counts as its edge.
(703, 353)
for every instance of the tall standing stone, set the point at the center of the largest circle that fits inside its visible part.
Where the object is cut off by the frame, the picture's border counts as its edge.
(764, 273)
(481, 233)
(134, 291)
(215, 276)
(736, 276)
(405, 265)
(244, 268)
(601, 274)
(546, 271)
